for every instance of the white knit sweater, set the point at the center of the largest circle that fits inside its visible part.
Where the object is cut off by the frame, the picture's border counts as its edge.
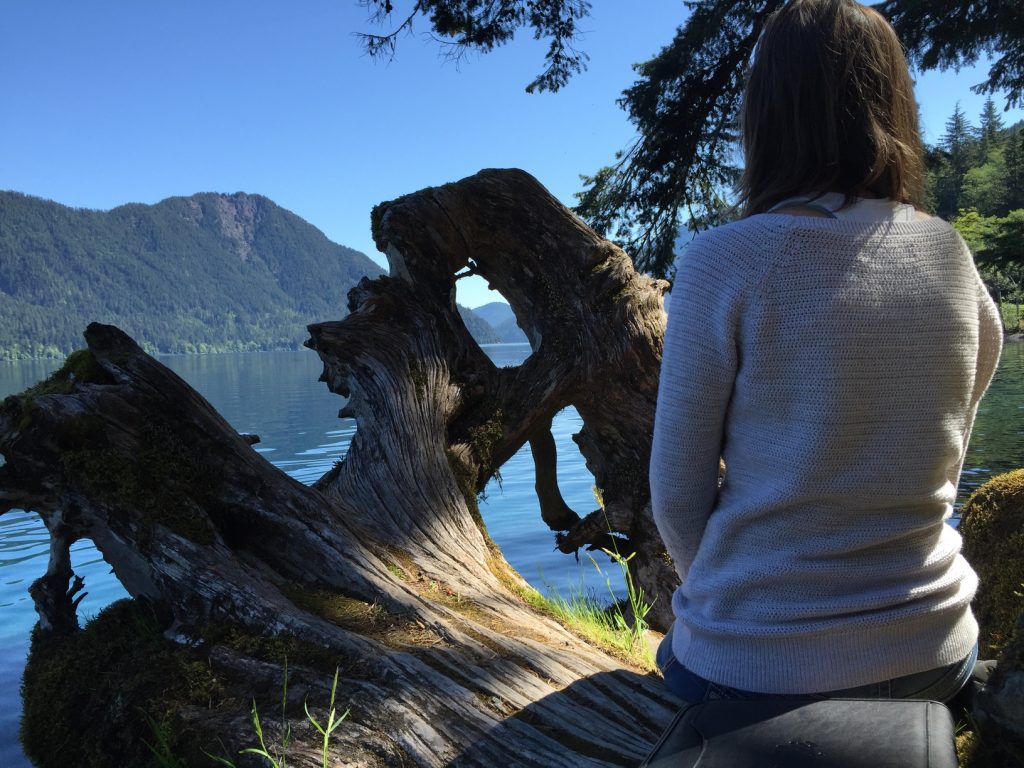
(837, 367)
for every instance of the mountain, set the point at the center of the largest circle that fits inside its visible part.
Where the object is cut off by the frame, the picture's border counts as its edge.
(501, 318)
(210, 272)
(495, 313)
(478, 327)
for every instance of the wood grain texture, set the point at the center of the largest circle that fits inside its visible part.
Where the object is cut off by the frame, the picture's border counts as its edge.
(459, 670)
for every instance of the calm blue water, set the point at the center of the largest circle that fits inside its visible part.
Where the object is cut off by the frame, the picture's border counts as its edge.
(276, 395)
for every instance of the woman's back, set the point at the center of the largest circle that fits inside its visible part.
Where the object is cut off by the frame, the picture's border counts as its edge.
(836, 365)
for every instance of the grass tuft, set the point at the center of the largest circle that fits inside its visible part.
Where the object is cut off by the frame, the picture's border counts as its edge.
(616, 628)
(276, 755)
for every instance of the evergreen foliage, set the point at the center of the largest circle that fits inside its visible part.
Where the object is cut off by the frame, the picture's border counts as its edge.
(956, 144)
(940, 34)
(190, 274)
(991, 128)
(478, 328)
(1013, 158)
(976, 179)
(686, 98)
(468, 25)
(684, 107)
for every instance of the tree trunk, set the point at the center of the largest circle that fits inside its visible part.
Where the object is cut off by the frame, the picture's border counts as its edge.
(384, 563)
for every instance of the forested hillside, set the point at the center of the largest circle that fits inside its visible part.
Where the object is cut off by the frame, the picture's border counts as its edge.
(209, 272)
(481, 331)
(501, 318)
(215, 272)
(976, 180)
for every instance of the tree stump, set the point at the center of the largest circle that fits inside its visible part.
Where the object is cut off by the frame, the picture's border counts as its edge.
(382, 570)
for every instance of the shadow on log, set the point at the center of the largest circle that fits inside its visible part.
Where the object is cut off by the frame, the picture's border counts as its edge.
(383, 569)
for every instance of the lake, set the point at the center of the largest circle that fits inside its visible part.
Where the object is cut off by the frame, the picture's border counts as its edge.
(276, 395)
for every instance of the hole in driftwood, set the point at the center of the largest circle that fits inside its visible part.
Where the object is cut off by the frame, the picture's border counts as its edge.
(491, 321)
(512, 514)
(501, 319)
(102, 587)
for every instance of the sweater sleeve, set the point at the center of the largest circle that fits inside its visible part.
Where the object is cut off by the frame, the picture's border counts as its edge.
(990, 342)
(990, 345)
(698, 368)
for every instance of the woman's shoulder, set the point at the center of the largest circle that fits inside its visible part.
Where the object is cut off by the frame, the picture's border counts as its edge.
(780, 231)
(752, 229)
(738, 250)
(744, 252)
(736, 240)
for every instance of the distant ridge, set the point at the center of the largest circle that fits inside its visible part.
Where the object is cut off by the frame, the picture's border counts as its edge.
(478, 328)
(501, 318)
(209, 272)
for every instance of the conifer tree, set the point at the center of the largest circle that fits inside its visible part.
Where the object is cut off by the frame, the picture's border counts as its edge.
(984, 184)
(990, 131)
(956, 144)
(684, 107)
(685, 101)
(957, 140)
(1013, 156)
(943, 34)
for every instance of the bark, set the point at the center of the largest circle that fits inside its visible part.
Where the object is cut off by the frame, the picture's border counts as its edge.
(443, 661)
(595, 327)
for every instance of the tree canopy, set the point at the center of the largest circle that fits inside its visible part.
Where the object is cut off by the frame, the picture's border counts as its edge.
(471, 24)
(943, 34)
(976, 179)
(685, 100)
(684, 107)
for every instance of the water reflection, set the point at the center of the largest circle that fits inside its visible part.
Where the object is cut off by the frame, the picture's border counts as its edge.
(997, 441)
(276, 395)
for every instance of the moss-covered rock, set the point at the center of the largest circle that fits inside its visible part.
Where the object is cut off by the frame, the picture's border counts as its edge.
(92, 699)
(993, 531)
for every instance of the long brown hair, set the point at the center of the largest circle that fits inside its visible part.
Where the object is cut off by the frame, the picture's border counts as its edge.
(829, 107)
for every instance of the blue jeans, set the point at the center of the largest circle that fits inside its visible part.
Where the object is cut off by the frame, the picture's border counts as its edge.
(940, 684)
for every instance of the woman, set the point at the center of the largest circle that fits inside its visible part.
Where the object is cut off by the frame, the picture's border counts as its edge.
(832, 346)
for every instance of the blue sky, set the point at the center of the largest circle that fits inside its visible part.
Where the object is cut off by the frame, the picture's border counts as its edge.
(113, 101)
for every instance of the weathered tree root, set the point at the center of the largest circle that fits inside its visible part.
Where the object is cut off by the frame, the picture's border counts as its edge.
(384, 565)
(416, 380)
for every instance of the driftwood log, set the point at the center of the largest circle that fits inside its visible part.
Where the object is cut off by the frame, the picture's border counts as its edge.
(384, 565)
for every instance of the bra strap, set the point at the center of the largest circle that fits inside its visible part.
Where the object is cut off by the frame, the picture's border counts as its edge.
(794, 203)
(820, 209)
